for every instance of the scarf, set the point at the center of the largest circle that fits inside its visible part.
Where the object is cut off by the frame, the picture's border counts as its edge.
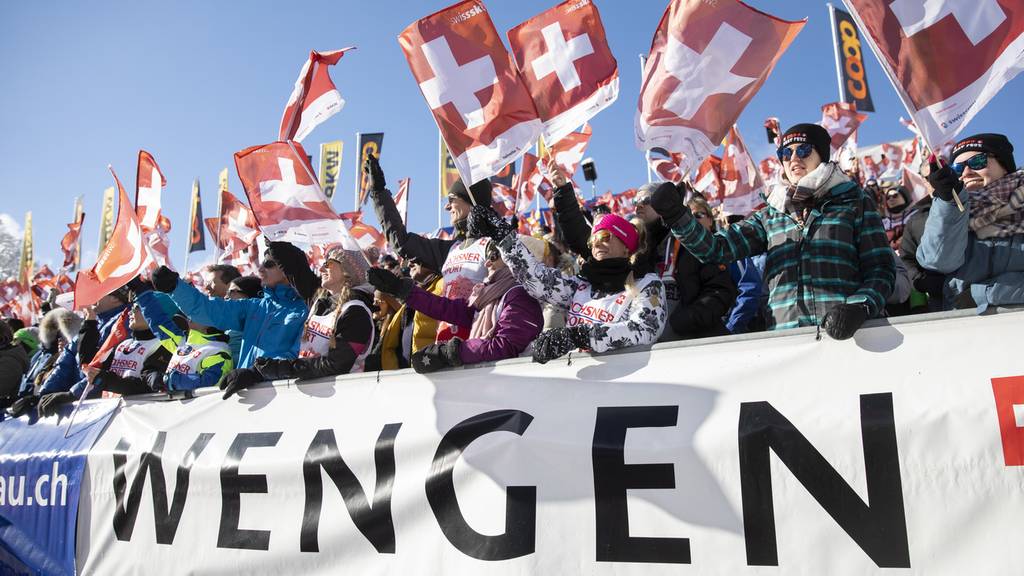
(814, 186)
(997, 210)
(485, 298)
(608, 276)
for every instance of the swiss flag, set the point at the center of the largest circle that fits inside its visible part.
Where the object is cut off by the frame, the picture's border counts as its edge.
(69, 243)
(504, 199)
(709, 179)
(771, 170)
(314, 98)
(285, 197)
(667, 165)
(365, 235)
(841, 119)
(741, 181)
(916, 184)
(531, 182)
(123, 258)
(564, 59)
(567, 153)
(481, 106)
(149, 183)
(948, 58)
(707, 61)
(236, 228)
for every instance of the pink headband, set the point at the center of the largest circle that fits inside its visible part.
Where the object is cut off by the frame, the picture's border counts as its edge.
(620, 228)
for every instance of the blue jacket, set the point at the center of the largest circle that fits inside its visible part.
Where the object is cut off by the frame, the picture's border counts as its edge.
(748, 282)
(271, 326)
(107, 321)
(36, 365)
(992, 269)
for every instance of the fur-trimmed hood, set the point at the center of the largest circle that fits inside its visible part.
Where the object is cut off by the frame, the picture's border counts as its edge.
(59, 322)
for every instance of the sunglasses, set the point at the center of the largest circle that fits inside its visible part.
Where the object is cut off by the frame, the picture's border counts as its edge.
(977, 162)
(701, 215)
(645, 201)
(601, 236)
(268, 264)
(802, 151)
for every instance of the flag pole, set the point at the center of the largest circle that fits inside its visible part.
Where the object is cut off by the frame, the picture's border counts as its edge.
(643, 67)
(359, 171)
(835, 49)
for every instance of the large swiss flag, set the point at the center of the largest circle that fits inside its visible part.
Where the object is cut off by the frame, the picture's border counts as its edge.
(481, 106)
(149, 184)
(707, 61)
(564, 59)
(948, 58)
(314, 98)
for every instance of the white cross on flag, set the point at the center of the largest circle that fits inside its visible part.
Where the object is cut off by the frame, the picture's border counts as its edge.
(285, 197)
(841, 119)
(149, 182)
(479, 101)
(237, 229)
(707, 61)
(314, 98)
(741, 181)
(564, 59)
(946, 58)
(123, 258)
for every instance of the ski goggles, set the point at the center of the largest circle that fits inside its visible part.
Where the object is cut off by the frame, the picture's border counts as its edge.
(977, 162)
(802, 151)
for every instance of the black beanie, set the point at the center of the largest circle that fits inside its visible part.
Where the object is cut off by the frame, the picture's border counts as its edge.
(295, 266)
(481, 192)
(810, 133)
(994, 144)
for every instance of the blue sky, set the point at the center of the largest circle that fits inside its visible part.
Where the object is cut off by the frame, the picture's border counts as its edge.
(87, 84)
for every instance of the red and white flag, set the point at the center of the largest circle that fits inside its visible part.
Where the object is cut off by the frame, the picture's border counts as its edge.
(123, 258)
(567, 153)
(69, 243)
(314, 98)
(707, 61)
(149, 183)
(667, 165)
(504, 202)
(841, 119)
(402, 199)
(946, 58)
(741, 182)
(237, 229)
(482, 108)
(285, 197)
(365, 235)
(771, 170)
(916, 184)
(531, 182)
(564, 59)
(709, 179)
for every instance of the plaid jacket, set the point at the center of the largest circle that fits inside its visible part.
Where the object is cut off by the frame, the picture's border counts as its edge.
(840, 254)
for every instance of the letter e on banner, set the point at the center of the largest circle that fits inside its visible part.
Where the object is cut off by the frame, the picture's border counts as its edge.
(1009, 396)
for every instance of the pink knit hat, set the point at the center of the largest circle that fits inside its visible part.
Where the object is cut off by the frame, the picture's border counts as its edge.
(620, 228)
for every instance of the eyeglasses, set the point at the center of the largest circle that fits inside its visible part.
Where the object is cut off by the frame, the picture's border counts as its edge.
(268, 264)
(977, 162)
(802, 151)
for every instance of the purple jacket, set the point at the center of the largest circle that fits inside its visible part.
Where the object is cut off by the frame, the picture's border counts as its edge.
(519, 323)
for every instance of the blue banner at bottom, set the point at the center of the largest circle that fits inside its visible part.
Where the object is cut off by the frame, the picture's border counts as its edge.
(41, 474)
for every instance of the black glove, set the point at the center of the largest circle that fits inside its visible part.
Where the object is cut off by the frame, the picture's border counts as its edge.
(944, 181)
(239, 379)
(51, 403)
(388, 283)
(164, 279)
(667, 201)
(274, 368)
(484, 222)
(844, 319)
(22, 405)
(437, 356)
(374, 174)
(558, 342)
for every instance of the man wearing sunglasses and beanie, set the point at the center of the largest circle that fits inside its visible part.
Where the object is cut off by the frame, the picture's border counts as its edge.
(828, 260)
(981, 248)
(272, 325)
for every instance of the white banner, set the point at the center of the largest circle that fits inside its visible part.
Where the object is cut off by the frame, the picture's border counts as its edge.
(816, 456)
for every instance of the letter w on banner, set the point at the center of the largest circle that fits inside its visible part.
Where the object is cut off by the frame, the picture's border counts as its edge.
(314, 98)
(946, 58)
(149, 183)
(707, 61)
(565, 61)
(481, 106)
(123, 258)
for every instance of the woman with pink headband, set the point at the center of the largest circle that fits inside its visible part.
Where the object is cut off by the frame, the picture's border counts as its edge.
(607, 308)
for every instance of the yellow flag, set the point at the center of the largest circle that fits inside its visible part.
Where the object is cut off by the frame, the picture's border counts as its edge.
(330, 166)
(27, 256)
(106, 218)
(223, 179)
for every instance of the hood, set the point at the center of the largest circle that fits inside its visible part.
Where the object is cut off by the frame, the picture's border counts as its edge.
(56, 323)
